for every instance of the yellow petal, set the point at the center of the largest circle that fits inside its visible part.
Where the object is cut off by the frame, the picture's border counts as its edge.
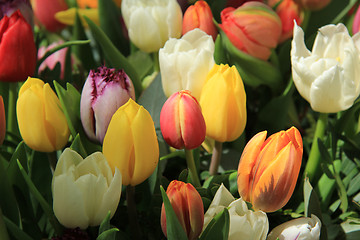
(68, 16)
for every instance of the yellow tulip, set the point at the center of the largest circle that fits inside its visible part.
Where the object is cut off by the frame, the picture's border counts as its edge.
(130, 143)
(223, 103)
(42, 123)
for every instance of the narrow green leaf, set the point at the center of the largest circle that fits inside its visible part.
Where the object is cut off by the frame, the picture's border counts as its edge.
(18, 233)
(114, 56)
(219, 52)
(105, 224)
(78, 147)
(3, 232)
(354, 185)
(108, 234)
(325, 156)
(173, 227)
(218, 228)
(327, 171)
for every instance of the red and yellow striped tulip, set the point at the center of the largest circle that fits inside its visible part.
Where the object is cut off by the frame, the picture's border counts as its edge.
(268, 169)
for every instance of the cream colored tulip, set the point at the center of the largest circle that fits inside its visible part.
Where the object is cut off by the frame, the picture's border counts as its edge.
(244, 223)
(329, 76)
(185, 62)
(304, 228)
(151, 23)
(84, 190)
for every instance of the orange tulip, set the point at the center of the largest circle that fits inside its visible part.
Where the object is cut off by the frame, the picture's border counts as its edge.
(200, 16)
(268, 170)
(188, 207)
(2, 121)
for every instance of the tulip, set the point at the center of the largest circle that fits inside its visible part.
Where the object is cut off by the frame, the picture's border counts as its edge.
(84, 190)
(42, 123)
(253, 28)
(185, 62)
(2, 121)
(268, 170)
(188, 207)
(17, 49)
(312, 5)
(151, 23)
(329, 76)
(223, 103)
(181, 122)
(245, 224)
(9, 7)
(93, 3)
(288, 12)
(304, 228)
(130, 143)
(45, 11)
(200, 16)
(104, 91)
(356, 22)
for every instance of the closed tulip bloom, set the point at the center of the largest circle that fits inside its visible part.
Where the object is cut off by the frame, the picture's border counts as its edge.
(223, 103)
(84, 190)
(105, 90)
(329, 76)
(253, 28)
(268, 169)
(313, 5)
(17, 49)
(2, 121)
(181, 122)
(131, 144)
(151, 23)
(200, 16)
(185, 63)
(245, 224)
(42, 122)
(188, 207)
(304, 228)
(45, 11)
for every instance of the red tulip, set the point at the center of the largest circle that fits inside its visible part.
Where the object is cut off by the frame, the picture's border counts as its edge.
(188, 207)
(181, 121)
(45, 11)
(200, 16)
(2, 121)
(268, 170)
(17, 49)
(356, 22)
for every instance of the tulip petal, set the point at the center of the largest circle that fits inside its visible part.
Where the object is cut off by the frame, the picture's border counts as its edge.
(68, 16)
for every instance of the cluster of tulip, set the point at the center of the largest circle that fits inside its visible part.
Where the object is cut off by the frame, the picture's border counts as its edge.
(133, 95)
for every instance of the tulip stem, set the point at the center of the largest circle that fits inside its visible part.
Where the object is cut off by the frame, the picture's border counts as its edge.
(192, 168)
(156, 61)
(215, 158)
(132, 214)
(11, 118)
(313, 164)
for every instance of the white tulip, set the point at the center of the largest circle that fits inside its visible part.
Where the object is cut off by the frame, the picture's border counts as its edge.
(329, 76)
(151, 23)
(244, 223)
(304, 228)
(185, 62)
(84, 190)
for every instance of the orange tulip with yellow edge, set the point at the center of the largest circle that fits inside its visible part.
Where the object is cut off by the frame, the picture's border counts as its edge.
(269, 168)
(42, 122)
(223, 103)
(130, 143)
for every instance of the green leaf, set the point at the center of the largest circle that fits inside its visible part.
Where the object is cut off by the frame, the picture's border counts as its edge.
(144, 60)
(218, 227)
(219, 52)
(3, 232)
(325, 156)
(105, 230)
(173, 227)
(354, 185)
(351, 228)
(18, 233)
(78, 147)
(114, 56)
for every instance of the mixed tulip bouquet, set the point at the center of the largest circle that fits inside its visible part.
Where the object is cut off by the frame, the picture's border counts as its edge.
(179, 119)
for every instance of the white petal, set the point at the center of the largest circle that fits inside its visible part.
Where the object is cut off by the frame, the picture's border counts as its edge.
(298, 47)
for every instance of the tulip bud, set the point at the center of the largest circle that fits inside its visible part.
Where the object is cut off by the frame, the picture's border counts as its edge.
(253, 28)
(200, 16)
(17, 49)
(45, 11)
(312, 5)
(356, 22)
(2, 121)
(181, 122)
(161, 20)
(268, 170)
(188, 207)
(104, 91)
(130, 143)
(75, 203)
(329, 76)
(42, 123)
(245, 224)
(304, 228)
(9, 7)
(223, 103)
(185, 63)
